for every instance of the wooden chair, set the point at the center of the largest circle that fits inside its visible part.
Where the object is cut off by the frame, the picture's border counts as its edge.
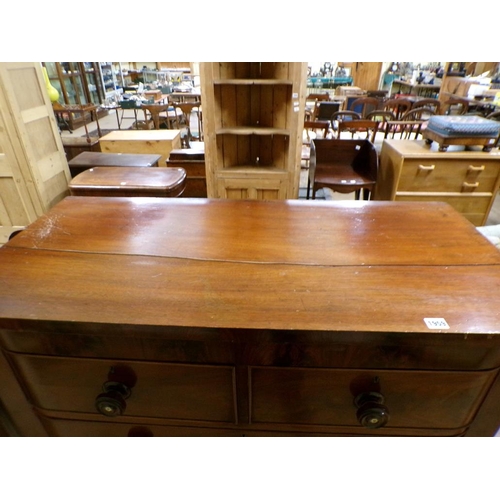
(398, 107)
(186, 109)
(382, 118)
(152, 114)
(455, 106)
(312, 102)
(412, 122)
(364, 105)
(429, 103)
(73, 146)
(345, 166)
(357, 127)
(325, 110)
(340, 116)
(318, 129)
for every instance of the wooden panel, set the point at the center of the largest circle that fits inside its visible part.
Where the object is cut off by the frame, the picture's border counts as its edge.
(241, 189)
(414, 399)
(31, 149)
(174, 391)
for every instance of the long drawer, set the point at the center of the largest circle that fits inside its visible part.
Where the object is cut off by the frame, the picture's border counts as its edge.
(429, 174)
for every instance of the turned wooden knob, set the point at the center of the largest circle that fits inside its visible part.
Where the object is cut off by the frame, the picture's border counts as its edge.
(111, 402)
(371, 413)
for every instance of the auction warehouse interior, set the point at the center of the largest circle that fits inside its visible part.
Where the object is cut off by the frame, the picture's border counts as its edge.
(258, 249)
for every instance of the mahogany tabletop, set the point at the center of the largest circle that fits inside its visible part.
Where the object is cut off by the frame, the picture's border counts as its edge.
(290, 265)
(129, 181)
(96, 159)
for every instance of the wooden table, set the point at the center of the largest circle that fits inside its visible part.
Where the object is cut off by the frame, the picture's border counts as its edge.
(89, 159)
(142, 142)
(420, 89)
(228, 318)
(129, 181)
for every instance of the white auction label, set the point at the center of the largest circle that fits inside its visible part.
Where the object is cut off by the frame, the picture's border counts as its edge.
(436, 323)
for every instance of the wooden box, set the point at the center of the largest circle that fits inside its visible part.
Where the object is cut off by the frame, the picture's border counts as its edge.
(142, 142)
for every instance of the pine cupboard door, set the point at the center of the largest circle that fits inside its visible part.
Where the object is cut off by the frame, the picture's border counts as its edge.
(34, 173)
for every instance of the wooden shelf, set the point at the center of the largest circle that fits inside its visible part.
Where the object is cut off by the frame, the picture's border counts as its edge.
(252, 81)
(252, 131)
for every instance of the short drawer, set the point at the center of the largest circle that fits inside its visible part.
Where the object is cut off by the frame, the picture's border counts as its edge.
(413, 399)
(430, 174)
(161, 390)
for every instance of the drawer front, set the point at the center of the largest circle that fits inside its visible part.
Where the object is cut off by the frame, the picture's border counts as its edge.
(80, 428)
(419, 399)
(430, 174)
(473, 208)
(162, 390)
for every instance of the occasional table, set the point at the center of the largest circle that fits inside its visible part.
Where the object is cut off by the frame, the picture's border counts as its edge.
(89, 159)
(129, 181)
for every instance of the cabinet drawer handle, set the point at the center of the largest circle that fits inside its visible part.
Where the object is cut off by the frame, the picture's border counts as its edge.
(371, 413)
(427, 167)
(471, 184)
(111, 402)
(472, 168)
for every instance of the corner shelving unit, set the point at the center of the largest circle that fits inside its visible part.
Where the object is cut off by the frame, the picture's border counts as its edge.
(253, 116)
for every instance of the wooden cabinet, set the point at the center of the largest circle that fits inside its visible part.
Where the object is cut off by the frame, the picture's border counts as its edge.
(34, 173)
(77, 83)
(414, 171)
(253, 115)
(124, 316)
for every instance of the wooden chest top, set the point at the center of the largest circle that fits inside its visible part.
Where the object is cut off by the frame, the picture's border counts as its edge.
(294, 266)
(96, 159)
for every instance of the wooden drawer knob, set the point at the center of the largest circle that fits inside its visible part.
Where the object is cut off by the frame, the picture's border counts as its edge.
(111, 402)
(371, 413)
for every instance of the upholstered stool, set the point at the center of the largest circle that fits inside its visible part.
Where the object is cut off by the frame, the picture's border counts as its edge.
(461, 130)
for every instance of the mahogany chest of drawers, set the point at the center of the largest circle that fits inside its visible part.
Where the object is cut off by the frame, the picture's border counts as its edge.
(192, 317)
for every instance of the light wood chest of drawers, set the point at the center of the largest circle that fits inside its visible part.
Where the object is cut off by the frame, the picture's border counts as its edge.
(414, 171)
